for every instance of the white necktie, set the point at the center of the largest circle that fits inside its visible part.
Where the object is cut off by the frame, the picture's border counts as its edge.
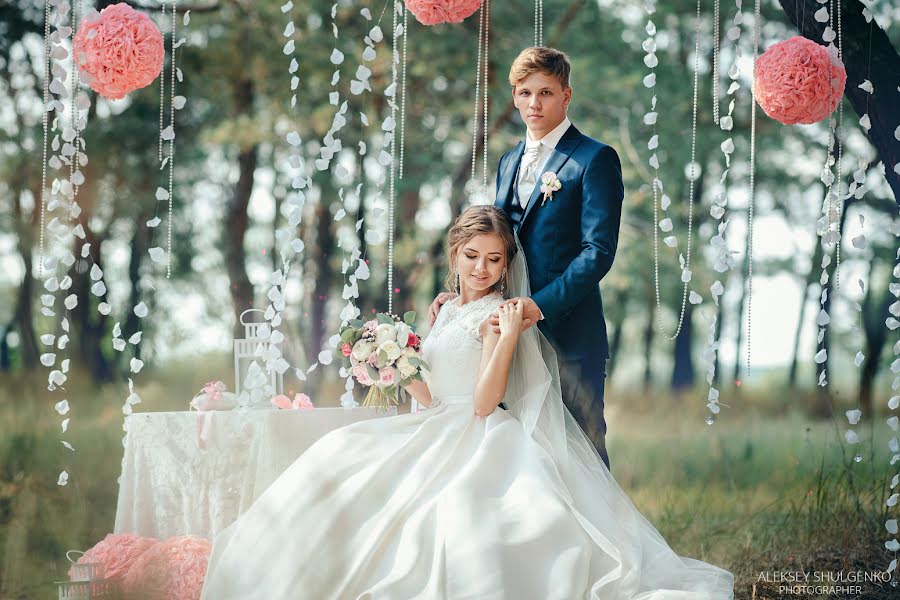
(528, 169)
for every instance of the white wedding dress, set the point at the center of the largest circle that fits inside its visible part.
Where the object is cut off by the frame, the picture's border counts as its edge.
(443, 504)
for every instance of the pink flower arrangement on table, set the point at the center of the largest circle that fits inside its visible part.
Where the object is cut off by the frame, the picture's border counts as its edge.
(797, 81)
(172, 569)
(434, 12)
(384, 355)
(300, 402)
(118, 52)
(117, 553)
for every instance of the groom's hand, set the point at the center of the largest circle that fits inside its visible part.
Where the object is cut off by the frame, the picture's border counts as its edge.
(530, 312)
(435, 307)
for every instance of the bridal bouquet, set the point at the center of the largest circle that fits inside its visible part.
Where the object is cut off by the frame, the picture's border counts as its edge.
(383, 354)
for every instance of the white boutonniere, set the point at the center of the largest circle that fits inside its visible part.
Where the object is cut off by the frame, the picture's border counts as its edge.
(549, 183)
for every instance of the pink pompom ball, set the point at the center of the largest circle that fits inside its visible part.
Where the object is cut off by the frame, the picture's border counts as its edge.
(119, 52)
(433, 12)
(798, 82)
(117, 553)
(173, 569)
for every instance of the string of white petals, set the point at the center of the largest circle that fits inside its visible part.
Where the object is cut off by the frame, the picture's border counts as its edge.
(828, 226)
(723, 260)
(650, 119)
(158, 256)
(354, 267)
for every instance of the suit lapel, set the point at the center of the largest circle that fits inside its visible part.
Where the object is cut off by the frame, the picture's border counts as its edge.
(505, 189)
(567, 144)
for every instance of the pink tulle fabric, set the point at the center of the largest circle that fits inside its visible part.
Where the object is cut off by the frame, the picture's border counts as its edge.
(173, 569)
(797, 82)
(119, 52)
(433, 12)
(117, 552)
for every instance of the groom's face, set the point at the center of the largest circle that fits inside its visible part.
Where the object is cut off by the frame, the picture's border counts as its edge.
(542, 103)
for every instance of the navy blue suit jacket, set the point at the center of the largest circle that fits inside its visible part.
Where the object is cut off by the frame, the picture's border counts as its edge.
(570, 242)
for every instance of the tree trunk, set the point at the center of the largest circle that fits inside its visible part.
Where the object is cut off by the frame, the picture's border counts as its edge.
(648, 341)
(683, 369)
(23, 316)
(874, 314)
(90, 332)
(236, 219)
(814, 268)
(879, 64)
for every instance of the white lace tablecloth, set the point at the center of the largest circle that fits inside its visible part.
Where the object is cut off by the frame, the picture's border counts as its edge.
(173, 483)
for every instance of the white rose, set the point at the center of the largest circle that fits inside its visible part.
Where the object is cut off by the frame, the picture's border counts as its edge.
(406, 369)
(403, 331)
(384, 333)
(391, 349)
(409, 352)
(361, 350)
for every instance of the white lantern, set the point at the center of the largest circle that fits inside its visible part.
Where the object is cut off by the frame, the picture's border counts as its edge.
(86, 580)
(252, 349)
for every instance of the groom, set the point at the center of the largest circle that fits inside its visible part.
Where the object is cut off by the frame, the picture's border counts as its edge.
(569, 235)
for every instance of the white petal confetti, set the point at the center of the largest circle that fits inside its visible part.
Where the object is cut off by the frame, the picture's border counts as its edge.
(104, 308)
(136, 365)
(62, 407)
(853, 416)
(63, 478)
(337, 57)
(157, 254)
(851, 437)
(141, 310)
(162, 194)
(154, 222)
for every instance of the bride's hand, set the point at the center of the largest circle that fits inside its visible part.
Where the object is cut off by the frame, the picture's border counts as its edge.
(511, 319)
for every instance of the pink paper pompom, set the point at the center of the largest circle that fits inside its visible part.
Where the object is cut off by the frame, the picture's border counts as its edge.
(119, 51)
(797, 82)
(117, 553)
(433, 12)
(173, 569)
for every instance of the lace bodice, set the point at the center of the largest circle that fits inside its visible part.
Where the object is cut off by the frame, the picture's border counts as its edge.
(453, 349)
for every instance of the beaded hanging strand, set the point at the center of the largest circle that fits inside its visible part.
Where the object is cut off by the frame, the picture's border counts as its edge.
(486, 67)
(685, 276)
(756, 26)
(403, 96)
(481, 22)
(44, 124)
(715, 63)
(395, 59)
(171, 144)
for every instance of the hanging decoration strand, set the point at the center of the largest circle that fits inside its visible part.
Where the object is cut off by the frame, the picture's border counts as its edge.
(756, 26)
(475, 119)
(403, 96)
(395, 59)
(656, 186)
(484, 125)
(44, 124)
(171, 144)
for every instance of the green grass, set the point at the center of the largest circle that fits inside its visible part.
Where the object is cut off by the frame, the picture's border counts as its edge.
(763, 489)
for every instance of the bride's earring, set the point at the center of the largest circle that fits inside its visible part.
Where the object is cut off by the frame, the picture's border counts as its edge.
(456, 280)
(503, 282)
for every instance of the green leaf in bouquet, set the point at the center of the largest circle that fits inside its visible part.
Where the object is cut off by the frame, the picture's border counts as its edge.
(349, 335)
(409, 317)
(356, 323)
(373, 372)
(384, 319)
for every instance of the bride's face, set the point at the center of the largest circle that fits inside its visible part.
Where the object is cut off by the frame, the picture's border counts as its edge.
(480, 261)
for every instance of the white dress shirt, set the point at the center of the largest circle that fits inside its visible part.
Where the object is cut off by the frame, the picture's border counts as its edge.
(535, 158)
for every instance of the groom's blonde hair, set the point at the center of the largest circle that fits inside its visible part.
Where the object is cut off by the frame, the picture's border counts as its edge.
(475, 221)
(549, 61)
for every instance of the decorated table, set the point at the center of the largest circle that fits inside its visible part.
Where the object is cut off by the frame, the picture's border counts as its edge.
(193, 473)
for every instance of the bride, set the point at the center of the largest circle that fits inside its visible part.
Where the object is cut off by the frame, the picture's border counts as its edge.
(463, 500)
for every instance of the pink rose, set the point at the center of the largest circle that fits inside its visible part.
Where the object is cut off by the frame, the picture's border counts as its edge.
(346, 349)
(281, 401)
(302, 402)
(362, 375)
(413, 340)
(387, 376)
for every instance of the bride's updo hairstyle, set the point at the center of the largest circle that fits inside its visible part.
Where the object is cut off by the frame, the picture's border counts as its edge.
(475, 221)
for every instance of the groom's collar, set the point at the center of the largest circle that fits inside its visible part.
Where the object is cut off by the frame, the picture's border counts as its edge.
(551, 139)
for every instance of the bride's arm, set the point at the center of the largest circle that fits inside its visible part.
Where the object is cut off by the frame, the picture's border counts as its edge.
(496, 359)
(419, 390)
